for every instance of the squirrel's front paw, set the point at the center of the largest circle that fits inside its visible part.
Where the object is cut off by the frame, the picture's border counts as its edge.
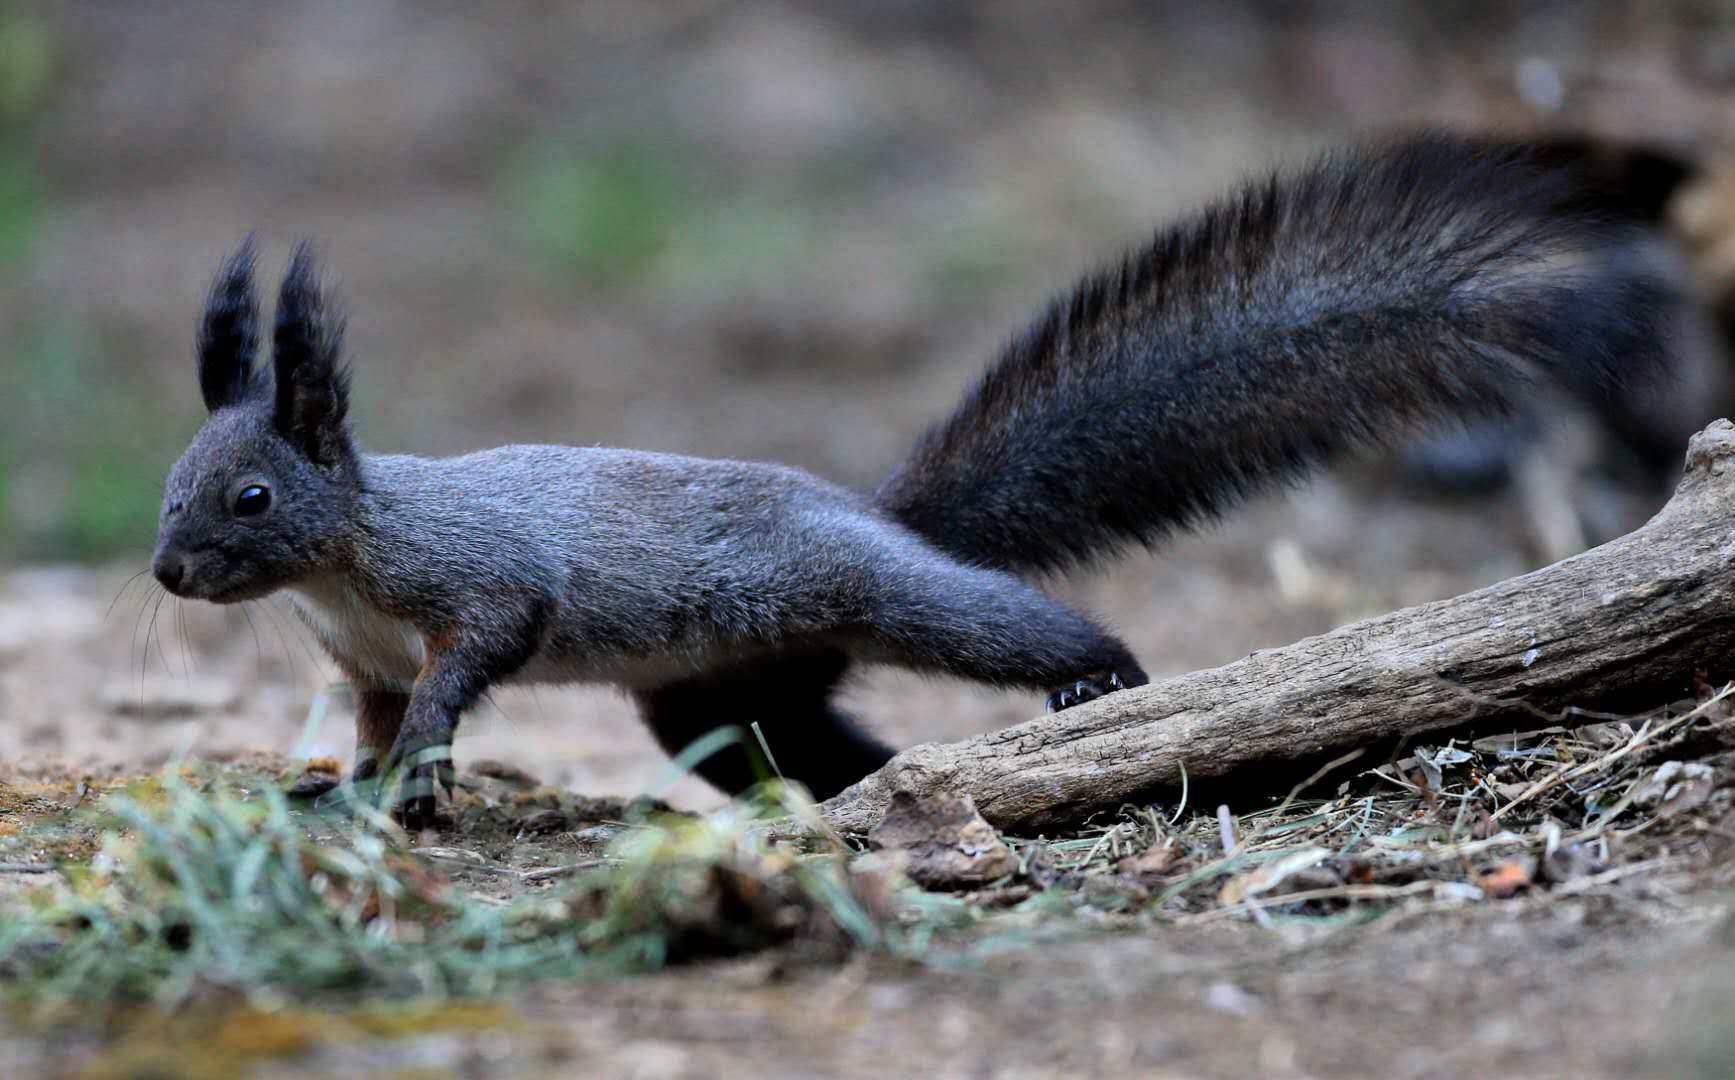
(1089, 688)
(420, 772)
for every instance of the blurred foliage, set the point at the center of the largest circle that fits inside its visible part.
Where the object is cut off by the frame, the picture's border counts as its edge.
(19, 208)
(80, 489)
(605, 214)
(973, 258)
(29, 59)
(636, 216)
(738, 245)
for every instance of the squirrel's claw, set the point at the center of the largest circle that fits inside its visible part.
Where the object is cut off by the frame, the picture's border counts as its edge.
(415, 813)
(423, 772)
(1089, 688)
(367, 766)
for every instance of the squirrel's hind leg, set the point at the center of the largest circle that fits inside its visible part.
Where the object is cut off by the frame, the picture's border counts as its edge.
(379, 714)
(789, 696)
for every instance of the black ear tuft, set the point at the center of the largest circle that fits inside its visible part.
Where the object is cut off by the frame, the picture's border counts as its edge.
(312, 386)
(229, 332)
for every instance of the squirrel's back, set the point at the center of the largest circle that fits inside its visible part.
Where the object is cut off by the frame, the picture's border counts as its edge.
(1317, 311)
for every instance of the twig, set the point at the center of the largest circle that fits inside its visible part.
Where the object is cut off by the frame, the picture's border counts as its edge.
(1579, 885)
(548, 873)
(1335, 892)
(1256, 905)
(445, 856)
(27, 868)
(1318, 774)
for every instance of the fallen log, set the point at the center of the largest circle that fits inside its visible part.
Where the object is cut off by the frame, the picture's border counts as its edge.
(1624, 625)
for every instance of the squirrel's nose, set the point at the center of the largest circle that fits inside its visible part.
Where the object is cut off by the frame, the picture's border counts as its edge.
(169, 569)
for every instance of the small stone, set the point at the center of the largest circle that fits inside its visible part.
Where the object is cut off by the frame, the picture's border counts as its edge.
(543, 821)
(946, 842)
(312, 785)
(1226, 997)
(598, 835)
(510, 775)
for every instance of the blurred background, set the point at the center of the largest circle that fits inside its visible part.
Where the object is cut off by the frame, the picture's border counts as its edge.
(760, 230)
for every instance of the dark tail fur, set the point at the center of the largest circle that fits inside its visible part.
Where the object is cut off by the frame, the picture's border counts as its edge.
(1337, 307)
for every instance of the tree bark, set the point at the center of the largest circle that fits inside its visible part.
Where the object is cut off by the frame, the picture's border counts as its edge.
(1624, 625)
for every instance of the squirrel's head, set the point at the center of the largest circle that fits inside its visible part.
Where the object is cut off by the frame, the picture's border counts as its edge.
(264, 495)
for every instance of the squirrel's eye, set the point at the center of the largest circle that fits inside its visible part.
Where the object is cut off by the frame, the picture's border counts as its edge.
(252, 500)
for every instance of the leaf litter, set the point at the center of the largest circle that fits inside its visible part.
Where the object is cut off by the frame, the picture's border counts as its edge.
(205, 884)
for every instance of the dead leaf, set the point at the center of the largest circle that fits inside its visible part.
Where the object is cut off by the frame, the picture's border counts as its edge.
(1154, 861)
(1607, 735)
(1267, 877)
(1506, 879)
(1676, 787)
(1511, 791)
(1435, 762)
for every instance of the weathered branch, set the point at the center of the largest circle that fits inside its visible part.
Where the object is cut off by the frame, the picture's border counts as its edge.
(1623, 625)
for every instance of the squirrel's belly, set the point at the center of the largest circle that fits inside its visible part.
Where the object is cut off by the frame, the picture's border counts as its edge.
(631, 672)
(359, 637)
(368, 642)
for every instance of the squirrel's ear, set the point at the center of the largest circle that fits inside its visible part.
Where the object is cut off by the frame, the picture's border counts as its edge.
(229, 332)
(312, 387)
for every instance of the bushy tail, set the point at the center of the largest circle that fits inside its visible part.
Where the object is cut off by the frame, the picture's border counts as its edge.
(1340, 306)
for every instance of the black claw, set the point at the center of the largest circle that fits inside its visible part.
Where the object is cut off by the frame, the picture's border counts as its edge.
(416, 810)
(1086, 689)
(416, 813)
(419, 785)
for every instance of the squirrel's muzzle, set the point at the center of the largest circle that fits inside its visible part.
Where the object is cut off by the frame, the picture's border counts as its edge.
(169, 568)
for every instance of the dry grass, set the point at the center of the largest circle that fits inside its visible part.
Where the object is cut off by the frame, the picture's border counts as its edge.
(207, 884)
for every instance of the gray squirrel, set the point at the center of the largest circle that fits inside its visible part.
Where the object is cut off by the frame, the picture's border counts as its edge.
(1314, 312)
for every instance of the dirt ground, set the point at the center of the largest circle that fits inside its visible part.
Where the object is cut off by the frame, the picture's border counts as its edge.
(1458, 996)
(846, 215)
(1609, 984)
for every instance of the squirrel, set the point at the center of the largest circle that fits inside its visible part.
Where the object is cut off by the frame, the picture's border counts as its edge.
(1633, 440)
(1321, 310)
